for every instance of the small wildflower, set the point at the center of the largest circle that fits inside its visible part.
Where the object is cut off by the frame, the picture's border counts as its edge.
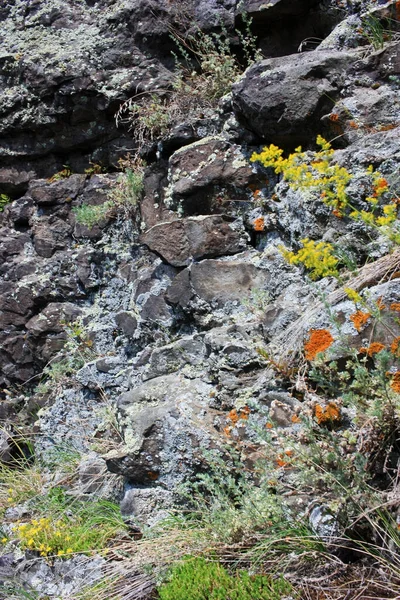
(353, 295)
(4, 540)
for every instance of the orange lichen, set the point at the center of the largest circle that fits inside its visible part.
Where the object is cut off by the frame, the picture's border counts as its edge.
(243, 415)
(259, 224)
(395, 306)
(280, 462)
(395, 385)
(227, 431)
(359, 319)
(319, 340)
(380, 304)
(395, 347)
(373, 348)
(381, 186)
(327, 414)
(233, 416)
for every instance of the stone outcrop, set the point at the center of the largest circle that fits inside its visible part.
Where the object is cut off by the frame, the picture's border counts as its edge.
(166, 329)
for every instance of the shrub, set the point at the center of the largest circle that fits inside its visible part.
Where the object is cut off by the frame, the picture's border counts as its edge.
(128, 190)
(206, 68)
(200, 579)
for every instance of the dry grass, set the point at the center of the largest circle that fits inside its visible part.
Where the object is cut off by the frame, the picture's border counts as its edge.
(291, 339)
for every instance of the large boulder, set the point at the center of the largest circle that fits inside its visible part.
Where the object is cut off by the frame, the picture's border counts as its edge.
(181, 241)
(283, 99)
(164, 422)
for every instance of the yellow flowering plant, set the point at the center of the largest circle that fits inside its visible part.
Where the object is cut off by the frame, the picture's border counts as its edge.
(318, 173)
(91, 527)
(317, 257)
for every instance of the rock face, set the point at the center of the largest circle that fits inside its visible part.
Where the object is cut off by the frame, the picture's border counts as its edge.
(161, 330)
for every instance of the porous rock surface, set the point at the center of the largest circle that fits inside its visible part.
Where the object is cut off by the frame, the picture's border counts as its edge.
(173, 302)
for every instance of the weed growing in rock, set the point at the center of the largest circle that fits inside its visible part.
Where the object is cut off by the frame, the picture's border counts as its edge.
(128, 190)
(63, 174)
(4, 200)
(377, 32)
(92, 215)
(18, 484)
(77, 350)
(206, 68)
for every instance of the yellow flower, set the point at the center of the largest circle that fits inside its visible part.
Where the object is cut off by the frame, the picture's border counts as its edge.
(4, 540)
(69, 550)
(353, 295)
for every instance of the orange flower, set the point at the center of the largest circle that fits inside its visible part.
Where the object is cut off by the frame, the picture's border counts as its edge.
(334, 117)
(295, 419)
(328, 414)
(269, 425)
(359, 319)
(395, 385)
(395, 347)
(319, 340)
(337, 213)
(353, 124)
(395, 306)
(373, 348)
(259, 224)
